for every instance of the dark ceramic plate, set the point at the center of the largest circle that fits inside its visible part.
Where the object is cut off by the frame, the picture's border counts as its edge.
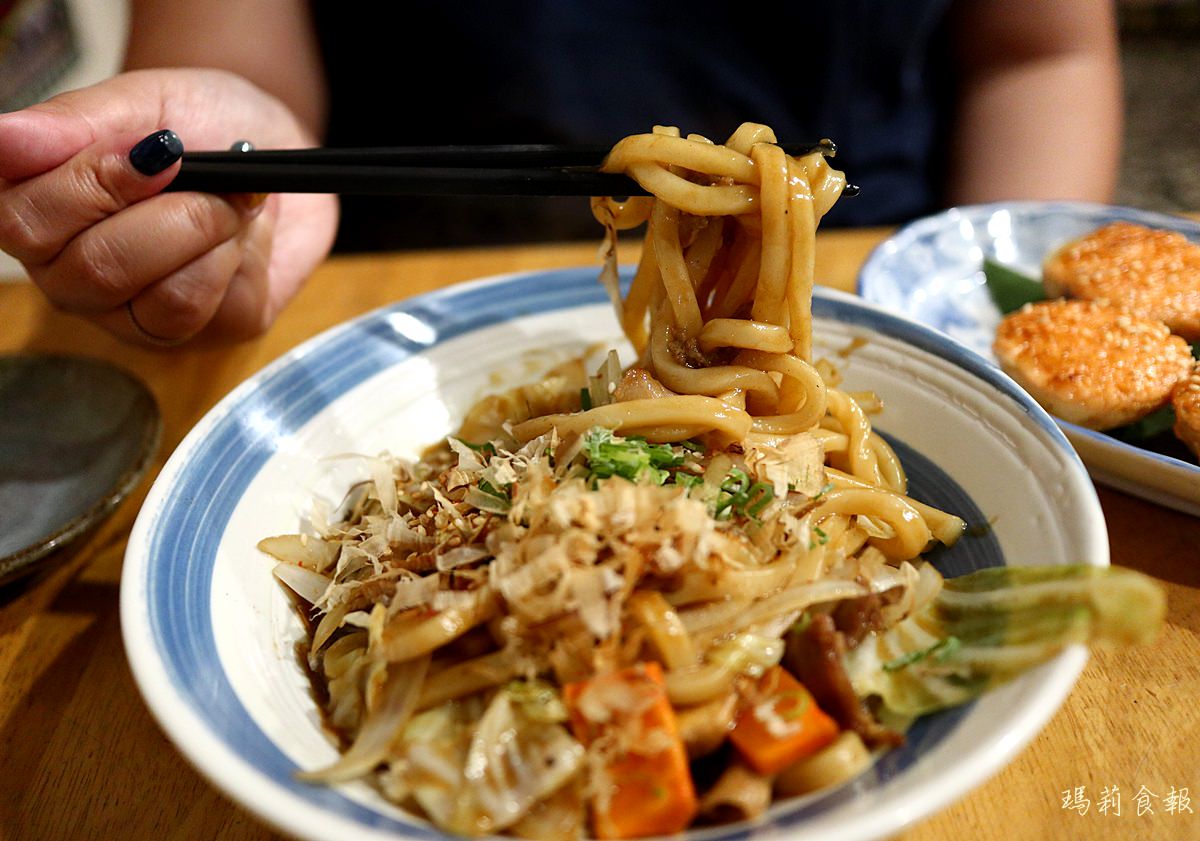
(76, 436)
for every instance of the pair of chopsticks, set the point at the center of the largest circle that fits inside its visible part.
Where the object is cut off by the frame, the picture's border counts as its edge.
(512, 170)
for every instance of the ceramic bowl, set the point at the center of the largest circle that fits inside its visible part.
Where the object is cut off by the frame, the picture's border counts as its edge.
(211, 637)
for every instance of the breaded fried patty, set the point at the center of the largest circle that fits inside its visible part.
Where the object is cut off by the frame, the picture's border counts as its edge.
(1090, 364)
(1151, 273)
(1186, 401)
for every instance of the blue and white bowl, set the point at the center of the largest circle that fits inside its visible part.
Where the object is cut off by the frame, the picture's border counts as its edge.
(211, 637)
(932, 271)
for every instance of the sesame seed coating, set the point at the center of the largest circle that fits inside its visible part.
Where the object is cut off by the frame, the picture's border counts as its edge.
(1153, 273)
(1186, 402)
(1091, 364)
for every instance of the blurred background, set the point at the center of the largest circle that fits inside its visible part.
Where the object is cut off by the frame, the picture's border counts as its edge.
(47, 46)
(1160, 57)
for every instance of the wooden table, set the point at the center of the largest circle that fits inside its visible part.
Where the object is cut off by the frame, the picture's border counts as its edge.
(82, 758)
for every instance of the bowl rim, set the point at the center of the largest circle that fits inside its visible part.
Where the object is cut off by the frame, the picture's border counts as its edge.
(238, 777)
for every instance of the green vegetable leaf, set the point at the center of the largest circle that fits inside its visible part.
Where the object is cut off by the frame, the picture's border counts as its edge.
(1010, 290)
(1155, 423)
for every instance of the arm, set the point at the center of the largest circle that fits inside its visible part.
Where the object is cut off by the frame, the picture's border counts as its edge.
(269, 42)
(1039, 105)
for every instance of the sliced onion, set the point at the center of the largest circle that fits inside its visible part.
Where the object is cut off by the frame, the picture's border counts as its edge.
(305, 583)
(382, 726)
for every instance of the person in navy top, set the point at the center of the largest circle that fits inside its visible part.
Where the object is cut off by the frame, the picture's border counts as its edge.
(931, 103)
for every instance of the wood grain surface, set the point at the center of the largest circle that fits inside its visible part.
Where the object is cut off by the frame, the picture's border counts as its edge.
(82, 758)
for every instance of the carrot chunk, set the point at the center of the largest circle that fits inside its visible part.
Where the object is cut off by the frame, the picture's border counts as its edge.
(646, 787)
(783, 727)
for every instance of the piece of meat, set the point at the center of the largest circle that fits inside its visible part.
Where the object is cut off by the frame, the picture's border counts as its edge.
(1150, 273)
(814, 656)
(1090, 364)
(855, 618)
(639, 384)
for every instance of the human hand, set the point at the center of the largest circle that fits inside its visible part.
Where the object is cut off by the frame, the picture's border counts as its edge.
(100, 238)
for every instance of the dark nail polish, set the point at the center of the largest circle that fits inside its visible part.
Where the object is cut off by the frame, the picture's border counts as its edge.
(242, 146)
(157, 152)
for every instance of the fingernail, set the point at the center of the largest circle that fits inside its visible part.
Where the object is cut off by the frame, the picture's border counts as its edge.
(155, 153)
(242, 146)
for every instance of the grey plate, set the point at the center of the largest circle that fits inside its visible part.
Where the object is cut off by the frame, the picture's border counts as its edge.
(76, 436)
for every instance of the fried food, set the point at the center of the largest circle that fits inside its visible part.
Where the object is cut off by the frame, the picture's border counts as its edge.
(1151, 273)
(1186, 401)
(1091, 364)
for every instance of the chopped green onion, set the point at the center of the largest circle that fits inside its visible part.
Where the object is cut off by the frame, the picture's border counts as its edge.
(940, 651)
(491, 490)
(631, 458)
(758, 497)
(801, 624)
(487, 447)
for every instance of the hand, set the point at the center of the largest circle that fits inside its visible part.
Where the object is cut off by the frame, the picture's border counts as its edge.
(100, 238)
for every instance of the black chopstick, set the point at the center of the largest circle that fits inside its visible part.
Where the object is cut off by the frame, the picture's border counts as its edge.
(249, 176)
(512, 170)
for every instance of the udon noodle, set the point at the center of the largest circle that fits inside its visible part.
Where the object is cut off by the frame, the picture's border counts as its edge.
(587, 612)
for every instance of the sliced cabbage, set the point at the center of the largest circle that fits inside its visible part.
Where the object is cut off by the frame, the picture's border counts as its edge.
(480, 774)
(990, 626)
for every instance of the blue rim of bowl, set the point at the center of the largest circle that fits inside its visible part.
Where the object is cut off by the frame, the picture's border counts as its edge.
(1103, 213)
(166, 590)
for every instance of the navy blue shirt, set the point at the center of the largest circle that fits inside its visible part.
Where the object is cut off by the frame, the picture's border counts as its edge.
(869, 74)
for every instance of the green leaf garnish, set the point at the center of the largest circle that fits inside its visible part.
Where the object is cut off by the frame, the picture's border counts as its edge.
(1154, 424)
(1010, 290)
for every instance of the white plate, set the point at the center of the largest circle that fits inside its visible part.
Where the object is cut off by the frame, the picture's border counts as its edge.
(932, 271)
(210, 636)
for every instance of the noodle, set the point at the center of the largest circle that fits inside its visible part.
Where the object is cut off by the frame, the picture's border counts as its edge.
(599, 578)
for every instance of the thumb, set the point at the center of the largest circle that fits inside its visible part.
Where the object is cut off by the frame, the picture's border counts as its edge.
(49, 210)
